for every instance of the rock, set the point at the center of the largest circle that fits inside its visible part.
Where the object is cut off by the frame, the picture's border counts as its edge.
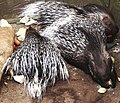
(119, 79)
(102, 90)
(6, 43)
(4, 23)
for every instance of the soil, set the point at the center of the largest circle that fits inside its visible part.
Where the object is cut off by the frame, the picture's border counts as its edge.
(79, 89)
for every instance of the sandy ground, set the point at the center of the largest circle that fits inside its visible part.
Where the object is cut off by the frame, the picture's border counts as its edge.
(80, 89)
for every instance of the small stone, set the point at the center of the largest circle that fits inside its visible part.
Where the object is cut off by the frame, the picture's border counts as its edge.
(5, 83)
(119, 79)
(82, 79)
(113, 93)
(102, 90)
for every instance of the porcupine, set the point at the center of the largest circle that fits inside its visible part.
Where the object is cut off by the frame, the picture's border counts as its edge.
(68, 27)
(39, 61)
(71, 31)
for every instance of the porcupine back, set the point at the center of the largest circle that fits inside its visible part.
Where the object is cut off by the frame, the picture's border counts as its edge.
(50, 11)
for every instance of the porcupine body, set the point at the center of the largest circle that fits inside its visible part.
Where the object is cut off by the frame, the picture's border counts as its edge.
(79, 35)
(40, 62)
(85, 50)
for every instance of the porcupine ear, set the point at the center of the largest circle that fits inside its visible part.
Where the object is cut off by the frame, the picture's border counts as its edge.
(106, 20)
(111, 28)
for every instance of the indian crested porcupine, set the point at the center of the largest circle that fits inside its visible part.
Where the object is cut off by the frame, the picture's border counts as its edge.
(39, 61)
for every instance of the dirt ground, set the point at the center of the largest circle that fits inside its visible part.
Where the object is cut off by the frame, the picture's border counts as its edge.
(80, 89)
